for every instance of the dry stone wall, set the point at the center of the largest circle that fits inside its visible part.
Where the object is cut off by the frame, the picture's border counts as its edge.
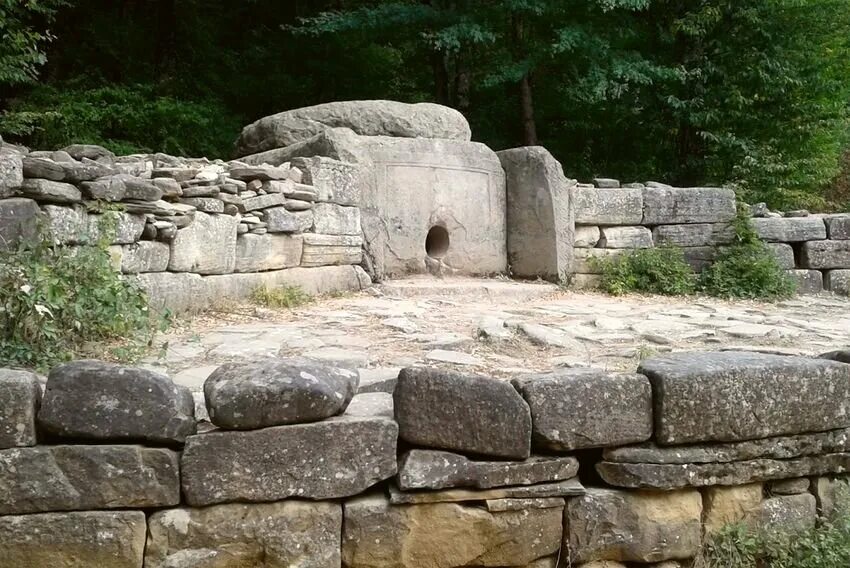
(112, 466)
(612, 218)
(192, 231)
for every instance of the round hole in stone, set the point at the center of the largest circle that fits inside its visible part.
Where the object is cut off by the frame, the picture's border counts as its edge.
(437, 242)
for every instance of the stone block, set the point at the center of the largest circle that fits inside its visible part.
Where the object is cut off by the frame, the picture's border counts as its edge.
(263, 201)
(50, 191)
(338, 457)
(587, 408)
(69, 478)
(586, 260)
(327, 250)
(432, 469)
(694, 235)
(379, 535)
(556, 489)
(838, 228)
(95, 400)
(258, 253)
(789, 229)
(287, 533)
(45, 168)
(281, 220)
(625, 238)
(19, 220)
(837, 281)
(789, 486)
(585, 281)
(177, 292)
(676, 206)
(833, 496)
(145, 256)
(11, 172)
(808, 281)
(465, 413)
(541, 219)
(826, 254)
(595, 206)
(20, 396)
(73, 540)
(191, 249)
(606, 183)
(628, 526)
(729, 396)
(205, 204)
(334, 181)
(123, 228)
(332, 219)
(787, 514)
(725, 506)
(586, 236)
(784, 255)
(67, 224)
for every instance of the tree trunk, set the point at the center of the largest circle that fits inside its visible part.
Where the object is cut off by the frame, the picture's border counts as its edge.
(526, 99)
(441, 78)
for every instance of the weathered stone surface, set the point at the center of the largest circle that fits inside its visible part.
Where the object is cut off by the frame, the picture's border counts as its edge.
(11, 172)
(606, 183)
(586, 236)
(586, 260)
(430, 469)
(67, 478)
(327, 250)
(837, 282)
(337, 457)
(67, 225)
(272, 392)
(124, 228)
(104, 401)
(465, 413)
(826, 254)
(783, 447)
(500, 505)
(787, 514)
(204, 204)
(789, 486)
(191, 250)
(674, 476)
(568, 488)
(18, 221)
(608, 207)
(367, 118)
(20, 396)
(331, 219)
(281, 220)
(73, 540)
(674, 206)
(790, 229)
(587, 408)
(728, 396)
(838, 228)
(145, 256)
(625, 238)
(263, 201)
(256, 253)
(784, 255)
(90, 151)
(379, 535)
(627, 526)
(808, 281)
(44, 168)
(335, 181)
(724, 506)
(832, 495)
(541, 219)
(694, 235)
(271, 535)
(50, 191)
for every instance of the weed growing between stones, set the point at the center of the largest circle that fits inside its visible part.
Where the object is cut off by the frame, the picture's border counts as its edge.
(58, 303)
(280, 297)
(660, 270)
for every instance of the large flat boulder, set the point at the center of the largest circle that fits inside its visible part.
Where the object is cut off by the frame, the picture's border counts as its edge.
(789, 229)
(728, 396)
(20, 395)
(694, 235)
(627, 526)
(68, 478)
(367, 118)
(104, 539)
(465, 413)
(96, 400)
(338, 457)
(271, 392)
(541, 218)
(377, 534)
(594, 206)
(674, 206)
(191, 250)
(287, 533)
(575, 409)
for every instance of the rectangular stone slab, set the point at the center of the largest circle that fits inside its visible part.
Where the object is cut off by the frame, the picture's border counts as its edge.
(568, 488)
(695, 235)
(66, 478)
(674, 206)
(782, 447)
(608, 206)
(432, 469)
(20, 395)
(334, 458)
(789, 229)
(826, 254)
(673, 476)
(101, 539)
(729, 396)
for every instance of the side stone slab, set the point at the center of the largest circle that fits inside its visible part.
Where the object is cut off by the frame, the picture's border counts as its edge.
(20, 396)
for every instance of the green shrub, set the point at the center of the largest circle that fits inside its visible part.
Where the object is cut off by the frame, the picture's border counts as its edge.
(58, 303)
(660, 270)
(280, 297)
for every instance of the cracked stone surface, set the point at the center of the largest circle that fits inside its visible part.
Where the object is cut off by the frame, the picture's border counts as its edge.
(403, 323)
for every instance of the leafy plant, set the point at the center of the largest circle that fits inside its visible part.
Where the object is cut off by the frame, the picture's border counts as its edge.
(280, 297)
(660, 270)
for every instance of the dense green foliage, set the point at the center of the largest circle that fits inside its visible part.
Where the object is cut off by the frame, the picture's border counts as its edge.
(660, 270)
(746, 92)
(55, 301)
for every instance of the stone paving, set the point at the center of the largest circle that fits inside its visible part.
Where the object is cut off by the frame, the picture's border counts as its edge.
(497, 327)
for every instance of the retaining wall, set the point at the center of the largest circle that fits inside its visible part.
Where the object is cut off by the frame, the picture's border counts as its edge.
(111, 466)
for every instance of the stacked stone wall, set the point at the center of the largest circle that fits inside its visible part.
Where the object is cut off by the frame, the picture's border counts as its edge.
(284, 463)
(612, 218)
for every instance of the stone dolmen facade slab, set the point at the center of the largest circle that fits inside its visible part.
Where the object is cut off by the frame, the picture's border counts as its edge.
(570, 469)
